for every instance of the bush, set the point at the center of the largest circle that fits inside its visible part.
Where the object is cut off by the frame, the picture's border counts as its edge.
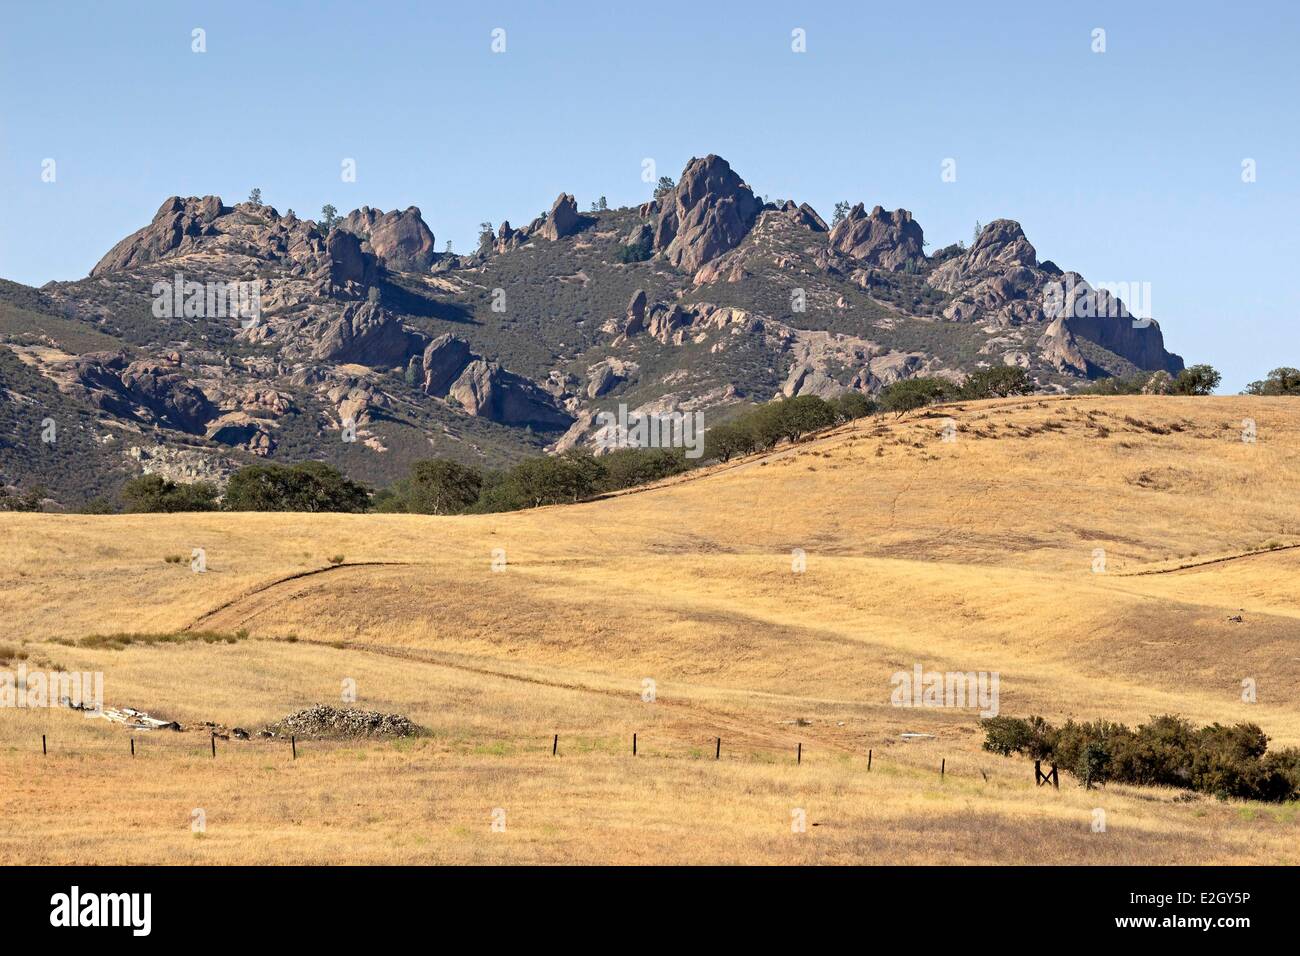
(310, 486)
(437, 487)
(155, 494)
(629, 467)
(1168, 751)
(639, 251)
(1197, 380)
(913, 393)
(998, 382)
(1280, 381)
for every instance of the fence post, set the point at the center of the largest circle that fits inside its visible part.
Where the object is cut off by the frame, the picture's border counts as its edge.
(293, 742)
(214, 745)
(717, 754)
(868, 760)
(555, 745)
(132, 746)
(634, 745)
(943, 765)
(43, 750)
(799, 753)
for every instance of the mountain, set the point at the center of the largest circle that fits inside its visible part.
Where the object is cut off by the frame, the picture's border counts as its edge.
(219, 335)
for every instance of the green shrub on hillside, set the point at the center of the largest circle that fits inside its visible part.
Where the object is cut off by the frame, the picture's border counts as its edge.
(309, 486)
(154, 493)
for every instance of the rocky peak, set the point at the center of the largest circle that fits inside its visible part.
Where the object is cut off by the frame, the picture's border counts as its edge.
(707, 213)
(563, 219)
(177, 222)
(887, 240)
(401, 239)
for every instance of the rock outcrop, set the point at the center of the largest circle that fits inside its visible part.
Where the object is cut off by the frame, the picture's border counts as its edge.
(366, 334)
(177, 222)
(486, 389)
(708, 212)
(886, 240)
(563, 219)
(401, 240)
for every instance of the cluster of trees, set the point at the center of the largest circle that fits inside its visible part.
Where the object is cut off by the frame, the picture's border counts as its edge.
(442, 487)
(1280, 381)
(309, 486)
(1193, 380)
(1169, 751)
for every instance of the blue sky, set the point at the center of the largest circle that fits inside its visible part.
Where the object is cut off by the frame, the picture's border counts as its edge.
(1123, 165)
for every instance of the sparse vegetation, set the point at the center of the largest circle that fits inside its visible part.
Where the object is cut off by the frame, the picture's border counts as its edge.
(1226, 761)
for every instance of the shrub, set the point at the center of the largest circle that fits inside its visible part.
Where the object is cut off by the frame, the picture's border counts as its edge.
(851, 405)
(998, 382)
(1280, 381)
(638, 251)
(436, 487)
(310, 486)
(1167, 751)
(629, 467)
(913, 393)
(154, 494)
(1197, 380)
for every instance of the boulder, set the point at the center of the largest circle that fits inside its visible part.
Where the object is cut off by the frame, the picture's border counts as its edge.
(401, 239)
(366, 334)
(635, 321)
(487, 390)
(352, 270)
(443, 360)
(169, 395)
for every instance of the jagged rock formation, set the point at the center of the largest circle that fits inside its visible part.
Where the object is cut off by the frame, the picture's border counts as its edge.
(707, 213)
(704, 297)
(887, 240)
(563, 219)
(401, 240)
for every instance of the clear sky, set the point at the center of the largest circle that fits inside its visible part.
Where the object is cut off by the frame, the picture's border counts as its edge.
(1124, 165)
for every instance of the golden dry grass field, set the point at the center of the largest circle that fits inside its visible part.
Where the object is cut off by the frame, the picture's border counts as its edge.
(979, 554)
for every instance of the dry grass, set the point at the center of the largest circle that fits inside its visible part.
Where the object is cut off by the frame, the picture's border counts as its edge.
(974, 555)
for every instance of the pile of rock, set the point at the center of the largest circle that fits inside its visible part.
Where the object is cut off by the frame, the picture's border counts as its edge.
(324, 721)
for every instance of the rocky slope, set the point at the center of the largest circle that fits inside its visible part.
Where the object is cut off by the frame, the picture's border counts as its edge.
(226, 334)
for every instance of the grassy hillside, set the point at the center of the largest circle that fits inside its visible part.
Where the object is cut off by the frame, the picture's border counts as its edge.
(972, 555)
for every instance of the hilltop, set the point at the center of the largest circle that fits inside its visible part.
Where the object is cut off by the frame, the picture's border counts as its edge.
(705, 297)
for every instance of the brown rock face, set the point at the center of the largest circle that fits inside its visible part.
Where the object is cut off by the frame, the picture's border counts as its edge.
(351, 269)
(489, 391)
(367, 335)
(168, 394)
(708, 213)
(176, 221)
(635, 313)
(563, 219)
(444, 359)
(887, 240)
(400, 239)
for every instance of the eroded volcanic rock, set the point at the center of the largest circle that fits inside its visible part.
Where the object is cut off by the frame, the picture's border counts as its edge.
(563, 219)
(708, 212)
(401, 239)
(176, 221)
(887, 240)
